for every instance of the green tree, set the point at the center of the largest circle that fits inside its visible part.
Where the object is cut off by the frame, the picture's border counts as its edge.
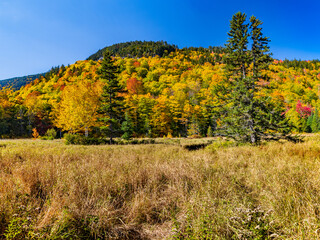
(309, 123)
(315, 122)
(127, 128)
(111, 100)
(237, 58)
(249, 117)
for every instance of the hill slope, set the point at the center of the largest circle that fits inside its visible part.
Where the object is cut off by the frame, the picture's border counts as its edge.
(17, 82)
(127, 49)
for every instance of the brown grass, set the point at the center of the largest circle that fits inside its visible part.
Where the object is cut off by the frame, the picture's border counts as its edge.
(50, 190)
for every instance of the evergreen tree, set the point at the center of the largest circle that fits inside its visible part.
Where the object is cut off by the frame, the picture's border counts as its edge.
(111, 101)
(237, 59)
(315, 122)
(127, 127)
(260, 55)
(249, 118)
(309, 123)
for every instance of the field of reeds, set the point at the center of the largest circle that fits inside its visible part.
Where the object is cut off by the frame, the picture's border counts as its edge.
(49, 190)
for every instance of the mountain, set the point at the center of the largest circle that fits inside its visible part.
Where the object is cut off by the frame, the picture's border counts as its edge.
(17, 82)
(139, 49)
(127, 49)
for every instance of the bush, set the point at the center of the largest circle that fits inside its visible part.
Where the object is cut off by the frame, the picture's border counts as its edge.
(35, 133)
(50, 134)
(72, 138)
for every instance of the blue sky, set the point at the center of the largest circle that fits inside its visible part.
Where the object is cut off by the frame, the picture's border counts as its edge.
(38, 34)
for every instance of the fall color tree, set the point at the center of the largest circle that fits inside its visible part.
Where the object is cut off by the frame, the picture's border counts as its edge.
(77, 110)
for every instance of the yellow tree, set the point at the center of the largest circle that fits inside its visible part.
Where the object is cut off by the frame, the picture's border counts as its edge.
(77, 110)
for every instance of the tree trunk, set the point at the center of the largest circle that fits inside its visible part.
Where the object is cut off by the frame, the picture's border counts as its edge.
(110, 115)
(253, 137)
(86, 132)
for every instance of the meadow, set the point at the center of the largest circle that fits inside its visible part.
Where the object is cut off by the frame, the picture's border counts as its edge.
(49, 190)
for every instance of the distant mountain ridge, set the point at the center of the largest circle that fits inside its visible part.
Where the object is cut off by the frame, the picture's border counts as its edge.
(17, 82)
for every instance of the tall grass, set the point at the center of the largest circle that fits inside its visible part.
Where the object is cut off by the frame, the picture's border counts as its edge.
(52, 191)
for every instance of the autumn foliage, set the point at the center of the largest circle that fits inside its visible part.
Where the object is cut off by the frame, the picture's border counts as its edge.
(172, 94)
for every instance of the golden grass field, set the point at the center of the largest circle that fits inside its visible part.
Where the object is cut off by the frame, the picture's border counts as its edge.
(49, 190)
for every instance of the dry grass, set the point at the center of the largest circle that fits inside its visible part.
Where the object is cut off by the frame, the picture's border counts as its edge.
(52, 191)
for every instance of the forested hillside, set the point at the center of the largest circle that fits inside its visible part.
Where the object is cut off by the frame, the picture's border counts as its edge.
(174, 95)
(137, 49)
(17, 82)
(128, 49)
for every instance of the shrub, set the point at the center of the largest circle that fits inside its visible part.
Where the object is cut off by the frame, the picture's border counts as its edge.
(72, 138)
(35, 133)
(210, 132)
(50, 134)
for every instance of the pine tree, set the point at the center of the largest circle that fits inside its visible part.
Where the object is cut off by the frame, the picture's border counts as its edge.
(315, 123)
(249, 118)
(237, 59)
(127, 128)
(309, 123)
(111, 100)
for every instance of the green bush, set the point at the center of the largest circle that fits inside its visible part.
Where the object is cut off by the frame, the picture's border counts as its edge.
(73, 139)
(51, 134)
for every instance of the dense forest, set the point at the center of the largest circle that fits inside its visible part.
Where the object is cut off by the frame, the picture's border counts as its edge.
(175, 94)
(137, 49)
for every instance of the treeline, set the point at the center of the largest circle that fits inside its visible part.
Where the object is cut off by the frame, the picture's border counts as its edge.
(300, 64)
(138, 49)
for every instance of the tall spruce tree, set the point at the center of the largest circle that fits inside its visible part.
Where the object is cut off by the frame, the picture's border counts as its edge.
(112, 106)
(237, 59)
(249, 118)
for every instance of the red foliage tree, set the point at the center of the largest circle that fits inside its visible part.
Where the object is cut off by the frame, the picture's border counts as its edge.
(303, 110)
(134, 86)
